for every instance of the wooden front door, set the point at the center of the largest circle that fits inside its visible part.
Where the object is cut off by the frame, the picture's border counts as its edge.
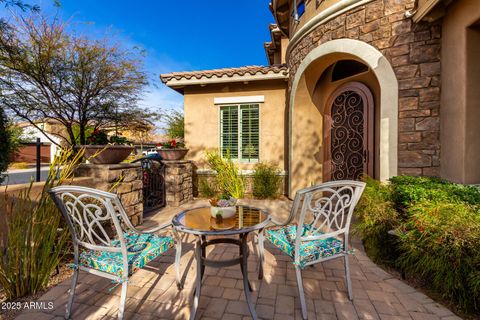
(348, 133)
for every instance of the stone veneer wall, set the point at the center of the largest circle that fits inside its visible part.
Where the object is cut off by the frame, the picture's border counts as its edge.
(128, 180)
(413, 50)
(178, 182)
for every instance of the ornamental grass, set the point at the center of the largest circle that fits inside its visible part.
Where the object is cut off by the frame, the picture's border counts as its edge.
(229, 180)
(36, 236)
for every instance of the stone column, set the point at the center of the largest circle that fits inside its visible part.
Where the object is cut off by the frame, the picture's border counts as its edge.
(178, 182)
(124, 179)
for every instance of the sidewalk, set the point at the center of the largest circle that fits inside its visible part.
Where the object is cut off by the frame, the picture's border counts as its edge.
(32, 169)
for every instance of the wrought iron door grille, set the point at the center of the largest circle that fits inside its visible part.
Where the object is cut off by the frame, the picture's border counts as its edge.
(347, 136)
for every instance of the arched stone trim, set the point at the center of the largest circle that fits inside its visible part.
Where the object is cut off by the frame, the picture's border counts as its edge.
(388, 122)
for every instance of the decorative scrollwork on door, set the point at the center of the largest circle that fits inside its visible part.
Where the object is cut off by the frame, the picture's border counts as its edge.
(349, 140)
(347, 136)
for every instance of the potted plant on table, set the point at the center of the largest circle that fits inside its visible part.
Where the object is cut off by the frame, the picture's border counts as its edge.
(102, 149)
(172, 150)
(223, 207)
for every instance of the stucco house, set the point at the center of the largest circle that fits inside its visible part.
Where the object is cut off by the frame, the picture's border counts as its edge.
(383, 87)
(49, 142)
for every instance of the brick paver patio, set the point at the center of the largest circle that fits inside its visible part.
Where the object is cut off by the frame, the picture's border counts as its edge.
(152, 292)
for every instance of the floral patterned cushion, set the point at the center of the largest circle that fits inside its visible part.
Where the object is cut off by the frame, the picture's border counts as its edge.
(284, 239)
(141, 249)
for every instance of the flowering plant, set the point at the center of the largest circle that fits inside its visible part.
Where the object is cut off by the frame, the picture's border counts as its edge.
(223, 202)
(171, 144)
(100, 137)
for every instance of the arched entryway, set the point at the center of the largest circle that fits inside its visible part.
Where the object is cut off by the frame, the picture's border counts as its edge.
(348, 133)
(314, 83)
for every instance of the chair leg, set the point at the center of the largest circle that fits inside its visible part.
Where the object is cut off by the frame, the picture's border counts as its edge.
(301, 294)
(123, 298)
(261, 253)
(71, 294)
(178, 256)
(347, 277)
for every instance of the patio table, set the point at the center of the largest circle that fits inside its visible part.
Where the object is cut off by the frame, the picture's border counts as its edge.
(199, 222)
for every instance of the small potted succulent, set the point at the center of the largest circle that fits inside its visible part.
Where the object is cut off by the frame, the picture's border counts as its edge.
(223, 207)
(102, 149)
(172, 150)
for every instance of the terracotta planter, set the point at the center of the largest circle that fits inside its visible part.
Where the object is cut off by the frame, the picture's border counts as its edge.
(108, 154)
(172, 154)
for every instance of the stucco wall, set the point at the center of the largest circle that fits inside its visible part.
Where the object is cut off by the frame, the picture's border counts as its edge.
(460, 102)
(314, 90)
(312, 8)
(202, 119)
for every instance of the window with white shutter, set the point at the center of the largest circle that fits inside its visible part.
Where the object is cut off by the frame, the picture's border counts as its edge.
(240, 132)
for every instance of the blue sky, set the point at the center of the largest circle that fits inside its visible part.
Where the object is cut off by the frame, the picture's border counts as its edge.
(177, 35)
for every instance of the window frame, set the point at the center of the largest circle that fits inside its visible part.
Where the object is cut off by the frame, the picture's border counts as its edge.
(240, 128)
(295, 10)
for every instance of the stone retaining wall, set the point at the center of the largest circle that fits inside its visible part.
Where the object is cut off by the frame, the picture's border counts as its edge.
(413, 49)
(124, 179)
(178, 182)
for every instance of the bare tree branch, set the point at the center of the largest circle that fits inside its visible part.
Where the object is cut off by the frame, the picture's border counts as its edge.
(47, 73)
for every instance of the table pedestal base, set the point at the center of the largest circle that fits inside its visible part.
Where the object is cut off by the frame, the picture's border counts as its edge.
(200, 255)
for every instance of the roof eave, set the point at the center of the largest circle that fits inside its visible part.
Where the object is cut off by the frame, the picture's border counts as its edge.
(178, 85)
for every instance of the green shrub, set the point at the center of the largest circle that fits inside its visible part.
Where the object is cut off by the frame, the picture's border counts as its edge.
(36, 235)
(229, 180)
(266, 181)
(441, 244)
(376, 216)
(438, 223)
(411, 190)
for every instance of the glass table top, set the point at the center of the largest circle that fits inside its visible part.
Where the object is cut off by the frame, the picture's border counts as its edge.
(200, 221)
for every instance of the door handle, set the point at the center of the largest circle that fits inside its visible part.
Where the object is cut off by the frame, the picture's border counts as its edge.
(365, 155)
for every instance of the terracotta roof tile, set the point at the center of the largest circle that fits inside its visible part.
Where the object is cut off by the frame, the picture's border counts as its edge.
(229, 72)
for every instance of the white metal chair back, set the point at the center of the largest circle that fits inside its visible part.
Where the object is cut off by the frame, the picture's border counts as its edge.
(321, 212)
(90, 215)
(98, 221)
(327, 209)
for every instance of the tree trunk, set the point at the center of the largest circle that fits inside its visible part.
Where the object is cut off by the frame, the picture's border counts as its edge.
(71, 135)
(83, 139)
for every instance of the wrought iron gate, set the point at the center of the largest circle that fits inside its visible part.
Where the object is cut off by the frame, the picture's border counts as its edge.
(153, 172)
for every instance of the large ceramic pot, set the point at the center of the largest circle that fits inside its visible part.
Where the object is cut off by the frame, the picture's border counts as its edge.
(107, 154)
(225, 212)
(172, 154)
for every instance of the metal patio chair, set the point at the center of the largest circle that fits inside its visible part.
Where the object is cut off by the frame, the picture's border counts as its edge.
(321, 230)
(111, 247)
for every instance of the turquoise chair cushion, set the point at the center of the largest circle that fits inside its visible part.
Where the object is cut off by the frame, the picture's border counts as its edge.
(141, 248)
(284, 239)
